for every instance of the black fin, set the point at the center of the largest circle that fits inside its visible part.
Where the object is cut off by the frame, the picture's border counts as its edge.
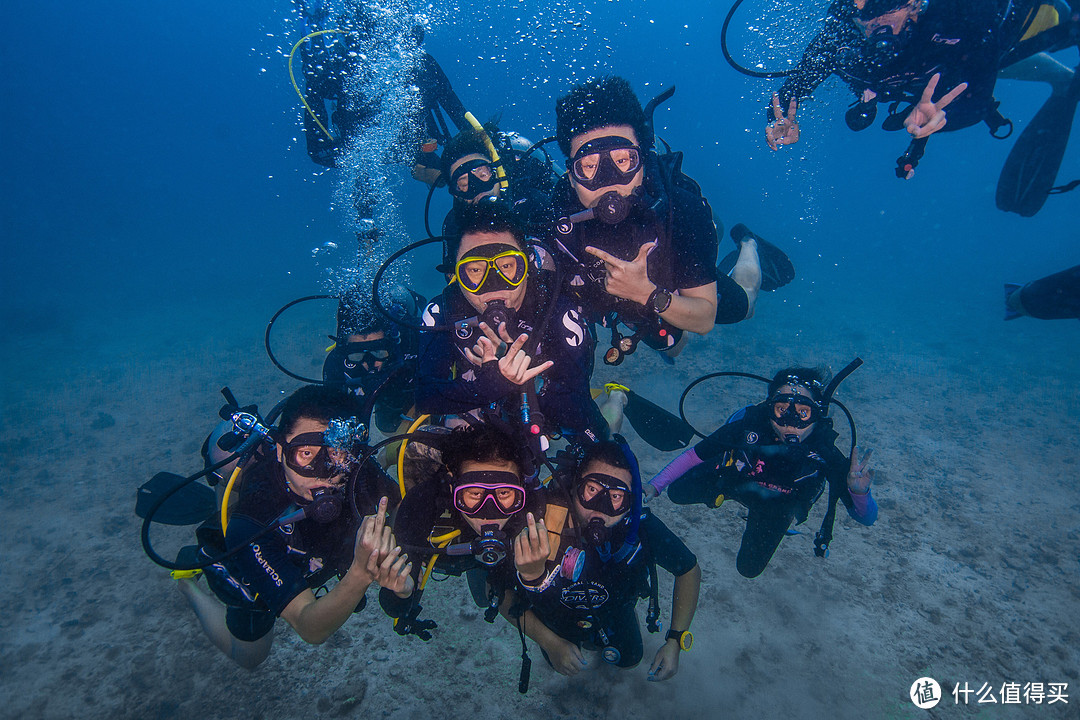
(660, 428)
(190, 505)
(1033, 163)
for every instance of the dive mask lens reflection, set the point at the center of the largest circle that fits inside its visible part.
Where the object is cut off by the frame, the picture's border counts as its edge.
(471, 179)
(489, 495)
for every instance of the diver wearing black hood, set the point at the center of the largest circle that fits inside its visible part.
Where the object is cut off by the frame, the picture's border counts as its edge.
(636, 235)
(776, 458)
(496, 298)
(581, 593)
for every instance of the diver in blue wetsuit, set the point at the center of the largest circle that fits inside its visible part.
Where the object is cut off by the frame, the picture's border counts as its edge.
(776, 458)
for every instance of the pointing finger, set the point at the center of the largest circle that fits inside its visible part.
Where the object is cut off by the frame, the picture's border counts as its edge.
(952, 95)
(610, 259)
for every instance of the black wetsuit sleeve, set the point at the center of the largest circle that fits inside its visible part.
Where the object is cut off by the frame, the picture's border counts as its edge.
(264, 566)
(694, 241)
(666, 548)
(818, 62)
(565, 398)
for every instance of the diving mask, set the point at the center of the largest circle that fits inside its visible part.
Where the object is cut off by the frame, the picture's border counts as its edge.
(309, 455)
(488, 494)
(472, 179)
(794, 410)
(604, 162)
(473, 271)
(603, 494)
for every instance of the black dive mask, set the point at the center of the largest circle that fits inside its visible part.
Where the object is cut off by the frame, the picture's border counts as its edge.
(364, 357)
(603, 494)
(604, 162)
(482, 178)
(310, 455)
(794, 410)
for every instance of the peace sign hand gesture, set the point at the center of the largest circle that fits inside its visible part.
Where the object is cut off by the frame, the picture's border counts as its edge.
(927, 117)
(784, 130)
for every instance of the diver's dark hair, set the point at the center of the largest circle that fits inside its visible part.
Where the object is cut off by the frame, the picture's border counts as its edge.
(598, 103)
(467, 142)
(487, 216)
(485, 443)
(815, 379)
(608, 452)
(317, 402)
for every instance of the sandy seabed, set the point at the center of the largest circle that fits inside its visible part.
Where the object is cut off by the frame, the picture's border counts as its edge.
(970, 574)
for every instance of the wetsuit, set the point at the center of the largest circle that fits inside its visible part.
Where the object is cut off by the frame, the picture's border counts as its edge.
(678, 218)
(597, 610)
(448, 384)
(428, 511)
(964, 41)
(777, 482)
(259, 583)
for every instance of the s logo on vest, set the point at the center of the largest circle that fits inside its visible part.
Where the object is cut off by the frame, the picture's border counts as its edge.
(751, 438)
(572, 322)
(564, 226)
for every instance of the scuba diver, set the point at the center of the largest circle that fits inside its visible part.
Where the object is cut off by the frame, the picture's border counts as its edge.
(374, 357)
(471, 162)
(503, 336)
(1055, 297)
(333, 116)
(636, 235)
(775, 458)
(461, 520)
(934, 64)
(293, 496)
(579, 589)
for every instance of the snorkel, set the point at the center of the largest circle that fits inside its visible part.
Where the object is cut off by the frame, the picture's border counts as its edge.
(500, 172)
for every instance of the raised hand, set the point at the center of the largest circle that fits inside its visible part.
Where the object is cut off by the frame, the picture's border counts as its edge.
(860, 475)
(627, 279)
(531, 549)
(927, 117)
(784, 129)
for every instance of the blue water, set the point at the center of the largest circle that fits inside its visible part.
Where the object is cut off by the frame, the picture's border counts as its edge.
(158, 205)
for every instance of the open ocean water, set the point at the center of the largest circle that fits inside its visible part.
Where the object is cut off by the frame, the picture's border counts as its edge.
(158, 206)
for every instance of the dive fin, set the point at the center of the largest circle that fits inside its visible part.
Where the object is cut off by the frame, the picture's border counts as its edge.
(1011, 314)
(776, 268)
(190, 505)
(660, 428)
(1033, 163)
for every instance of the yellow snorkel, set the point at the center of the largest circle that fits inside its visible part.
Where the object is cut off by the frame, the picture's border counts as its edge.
(499, 171)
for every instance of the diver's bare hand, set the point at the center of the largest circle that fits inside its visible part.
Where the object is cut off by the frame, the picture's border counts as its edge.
(372, 540)
(927, 117)
(860, 476)
(565, 657)
(395, 573)
(784, 129)
(650, 492)
(516, 365)
(531, 549)
(666, 662)
(627, 279)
